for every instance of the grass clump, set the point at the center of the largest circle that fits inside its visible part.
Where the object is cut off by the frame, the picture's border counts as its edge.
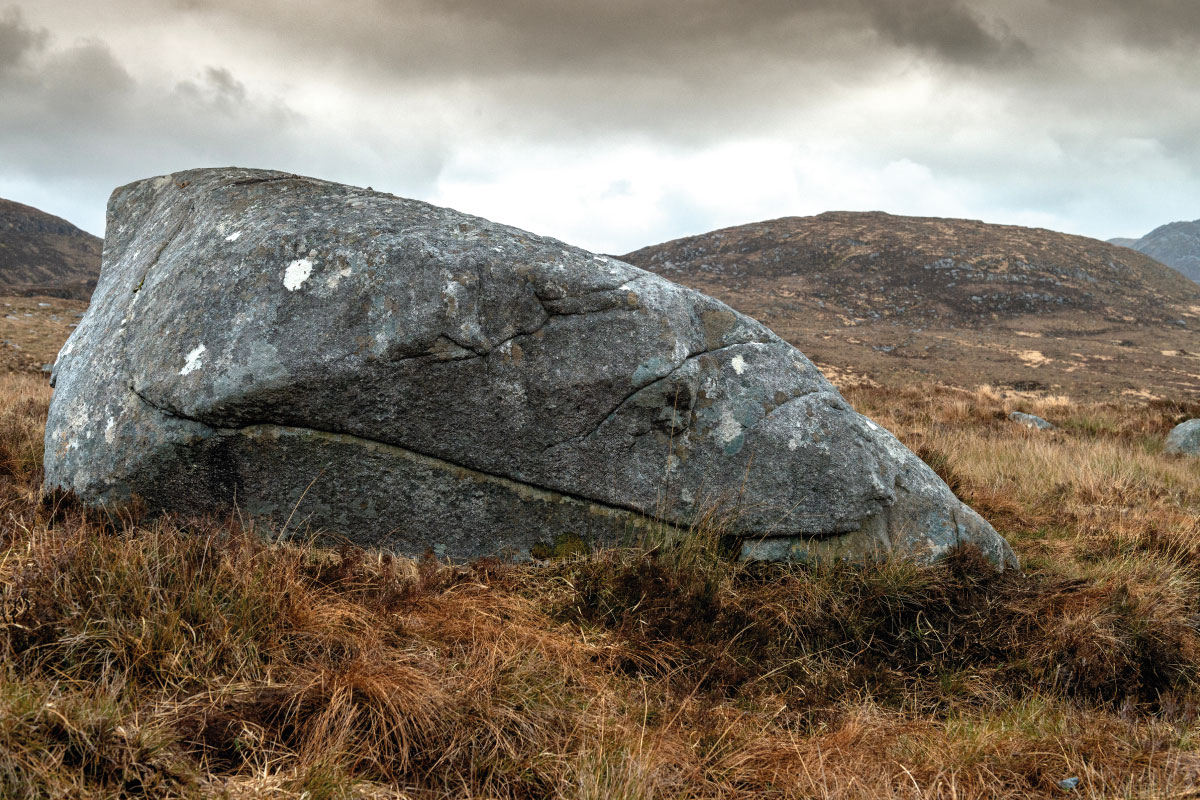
(191, 658)
(896, 631)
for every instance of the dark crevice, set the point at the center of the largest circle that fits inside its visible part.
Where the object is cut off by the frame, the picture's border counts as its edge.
(547, 304)
(465, 345)
(482, 351)
(170, 412)
(637, 390)
(552, 305)
(170, 241)
(669, 374)
(271, 179)
(432, 355)
(555, 312)
(355, 438)
(789, 401)
(603, 290)
(519, 334)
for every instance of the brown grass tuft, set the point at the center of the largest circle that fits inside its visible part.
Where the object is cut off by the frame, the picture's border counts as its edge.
(188, 657)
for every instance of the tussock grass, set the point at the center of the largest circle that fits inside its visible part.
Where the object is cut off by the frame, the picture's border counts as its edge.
(191, 658)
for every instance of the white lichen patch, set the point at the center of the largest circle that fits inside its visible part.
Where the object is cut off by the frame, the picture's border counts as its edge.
(728, 428)
(108, 430)
(233, 237)
(193, 362)
(738, 363)
(297, 273)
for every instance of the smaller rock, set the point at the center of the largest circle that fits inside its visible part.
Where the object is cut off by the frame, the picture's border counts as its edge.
(1068, 784)
(1184, 439)
(47, 368)
(1030, 421)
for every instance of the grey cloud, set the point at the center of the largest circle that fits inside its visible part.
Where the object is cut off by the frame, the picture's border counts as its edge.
(17, 39)
(536, 34)
(1029, 103)
(692, 71)
(217, 89)
(75, 117)
(84, 79)
(1144, 23)
(226, 87)
(946, 29)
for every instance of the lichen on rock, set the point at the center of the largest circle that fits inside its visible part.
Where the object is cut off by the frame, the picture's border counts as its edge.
(412, 377)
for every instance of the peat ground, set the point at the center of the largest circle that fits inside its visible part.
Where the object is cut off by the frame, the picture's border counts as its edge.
(202, 658)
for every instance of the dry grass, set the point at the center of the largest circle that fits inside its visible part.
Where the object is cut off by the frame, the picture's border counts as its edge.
(188, 658)
(33, 329)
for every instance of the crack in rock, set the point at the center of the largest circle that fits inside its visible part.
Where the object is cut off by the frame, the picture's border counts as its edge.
(639, 389)
(508, 482)
(328, 361)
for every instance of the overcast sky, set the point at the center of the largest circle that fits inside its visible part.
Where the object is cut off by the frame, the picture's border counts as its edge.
(615, 124)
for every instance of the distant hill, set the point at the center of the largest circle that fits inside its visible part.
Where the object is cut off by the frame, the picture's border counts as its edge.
(960, 301)
(1176, 244)
(41, 254)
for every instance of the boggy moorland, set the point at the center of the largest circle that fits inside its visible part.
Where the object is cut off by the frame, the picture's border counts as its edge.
(184, 657)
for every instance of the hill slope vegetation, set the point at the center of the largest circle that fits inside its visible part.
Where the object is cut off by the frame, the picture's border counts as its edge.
(959, 301)
(41, 254)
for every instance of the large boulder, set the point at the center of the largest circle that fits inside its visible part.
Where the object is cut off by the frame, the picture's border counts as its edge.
(1184, 439)
(411, 377)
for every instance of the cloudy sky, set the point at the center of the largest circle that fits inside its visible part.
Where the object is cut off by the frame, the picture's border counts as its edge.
(619, 123)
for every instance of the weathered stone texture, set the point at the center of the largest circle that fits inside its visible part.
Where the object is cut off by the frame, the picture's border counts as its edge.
(1184, 439)
(1031, 421)
(410, 377)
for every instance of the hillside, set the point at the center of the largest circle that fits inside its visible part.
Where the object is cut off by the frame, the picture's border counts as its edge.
(958, 301)
(41, 254)
(1176, 244)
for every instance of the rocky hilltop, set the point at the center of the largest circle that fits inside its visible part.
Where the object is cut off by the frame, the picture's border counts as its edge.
(41, 254)
(960, 301)
(1176, 244)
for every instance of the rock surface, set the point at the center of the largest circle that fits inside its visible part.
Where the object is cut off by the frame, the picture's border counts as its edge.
(412, 377)
(1176, 244)
(1184, 439)
(1031, 421)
